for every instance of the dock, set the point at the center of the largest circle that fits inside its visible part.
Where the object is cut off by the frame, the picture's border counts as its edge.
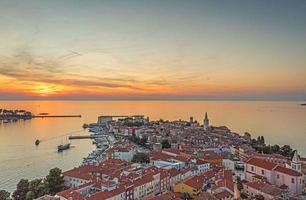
(45, 116)
(74, 137)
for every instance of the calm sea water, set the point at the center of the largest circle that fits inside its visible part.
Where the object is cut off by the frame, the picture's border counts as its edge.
(279, 122)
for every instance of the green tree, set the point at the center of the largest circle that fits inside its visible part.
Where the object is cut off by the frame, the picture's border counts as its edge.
(37, 188)
(165, 144)
(30, 195)
(141, 158)
(258, 140)
(186, 196)
(55, 181)
(22, 189)
(286, 150)
(276, 148)
(4, 195)
(262, 139)
(239, 184)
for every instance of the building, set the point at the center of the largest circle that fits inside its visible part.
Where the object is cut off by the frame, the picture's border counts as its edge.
(104, 119)
(125, 153)
(193, 186)
(266, 190)
(261, 170)
(296, 163)
(206, 122)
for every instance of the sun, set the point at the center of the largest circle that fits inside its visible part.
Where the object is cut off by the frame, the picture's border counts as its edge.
(46, 89)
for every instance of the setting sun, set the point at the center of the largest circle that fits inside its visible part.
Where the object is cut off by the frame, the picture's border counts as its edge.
(46, 89)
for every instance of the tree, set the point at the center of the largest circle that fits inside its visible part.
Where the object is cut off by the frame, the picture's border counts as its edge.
(30, 195)
(239, 184)
(275, 148)
(141, 158)
(286, 150)
(55, 181)
(37, 188)
(258, 140)
(165, 144)
(22, 189)
(4, 195)
(262, 140)
(186, 196)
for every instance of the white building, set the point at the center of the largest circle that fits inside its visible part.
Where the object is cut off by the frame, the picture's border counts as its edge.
(124, 153)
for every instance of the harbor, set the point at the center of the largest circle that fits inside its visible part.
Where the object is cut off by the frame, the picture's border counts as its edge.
(101, 138)
(7, 116)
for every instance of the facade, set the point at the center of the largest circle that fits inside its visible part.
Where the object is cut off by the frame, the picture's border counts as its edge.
(266, 190)
(125, 153)
(193, 186)
(264, 171)
(104, 119)
(296, 163)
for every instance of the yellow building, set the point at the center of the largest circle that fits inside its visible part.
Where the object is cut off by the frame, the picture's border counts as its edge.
(193, 186)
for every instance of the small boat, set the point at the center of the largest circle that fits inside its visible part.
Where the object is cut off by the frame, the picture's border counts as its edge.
(43, 113)
(63, 147)
(37, 142)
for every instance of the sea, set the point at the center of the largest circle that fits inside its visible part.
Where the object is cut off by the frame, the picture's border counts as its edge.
(279, 122)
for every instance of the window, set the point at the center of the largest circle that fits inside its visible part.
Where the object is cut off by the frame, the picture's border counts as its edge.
(252, 168)
(292, 180)
(277, 176)
(262, 172)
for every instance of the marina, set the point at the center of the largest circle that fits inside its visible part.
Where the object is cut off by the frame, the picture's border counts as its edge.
(101, 138)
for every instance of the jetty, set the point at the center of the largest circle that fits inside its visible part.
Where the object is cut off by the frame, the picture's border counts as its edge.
(45, 116)
(93, 136)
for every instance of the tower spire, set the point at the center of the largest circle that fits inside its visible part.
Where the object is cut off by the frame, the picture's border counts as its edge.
(206, 122)
(296, 163)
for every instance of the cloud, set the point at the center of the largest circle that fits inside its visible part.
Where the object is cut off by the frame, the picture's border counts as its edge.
(23, 66)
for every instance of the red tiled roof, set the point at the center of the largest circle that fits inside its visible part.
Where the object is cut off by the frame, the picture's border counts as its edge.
(166, 196)
(222, 194)
(71, 194)
(106, 194)
(264, 187)
(82, 172)
(195, 182)
(261, 163)
(287, 171)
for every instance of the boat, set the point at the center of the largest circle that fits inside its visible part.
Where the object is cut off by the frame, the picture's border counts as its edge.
(43, 113)
(37, 142)
(63, 147)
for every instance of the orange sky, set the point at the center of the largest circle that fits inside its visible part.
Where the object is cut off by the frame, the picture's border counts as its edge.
(186, 50)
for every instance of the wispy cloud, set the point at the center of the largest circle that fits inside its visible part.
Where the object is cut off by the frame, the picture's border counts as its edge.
(23, 66)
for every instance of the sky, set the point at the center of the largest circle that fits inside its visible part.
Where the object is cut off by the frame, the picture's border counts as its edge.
(195, 49)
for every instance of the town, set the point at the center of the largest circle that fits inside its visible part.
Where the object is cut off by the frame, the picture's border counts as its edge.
(139, 159)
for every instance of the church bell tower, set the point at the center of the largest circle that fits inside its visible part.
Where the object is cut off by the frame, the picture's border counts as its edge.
(206, 122)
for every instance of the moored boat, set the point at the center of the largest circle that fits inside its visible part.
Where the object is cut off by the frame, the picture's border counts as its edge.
(63, 147)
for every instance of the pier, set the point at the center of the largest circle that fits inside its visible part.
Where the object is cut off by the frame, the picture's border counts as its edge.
(75, 137)
(45, 116)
